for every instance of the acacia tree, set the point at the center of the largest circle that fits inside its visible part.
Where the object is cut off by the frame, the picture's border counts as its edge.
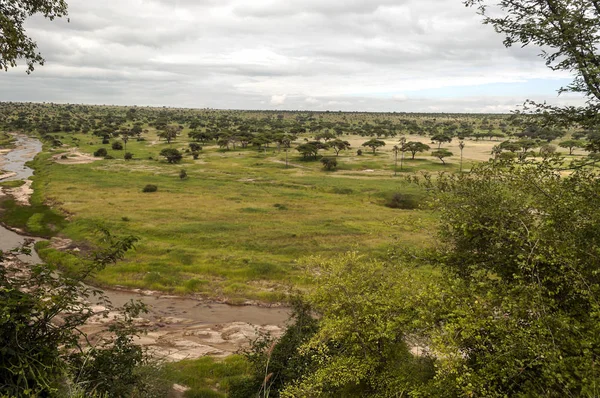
(169, 133)
(571, 145)
(441, 154)
(415, 146)
(440, 139)
(374, 144)
(172, 155)
(339, 145)
(14, 42)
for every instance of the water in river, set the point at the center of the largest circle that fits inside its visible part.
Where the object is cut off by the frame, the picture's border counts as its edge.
(14, 161)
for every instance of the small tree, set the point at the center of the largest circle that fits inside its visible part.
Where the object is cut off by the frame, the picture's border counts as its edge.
(441, 154)
(101, 152)
(414, 146)
(172, 155)
(309, 149)
(547, 150)
(128, 156)
(195, 147)
(374, 144)
(339, 145)
(571, 145)
(169, 133)
(396, 149)
(329, 163)
(403, 149)
(125, 138)
(441, 138)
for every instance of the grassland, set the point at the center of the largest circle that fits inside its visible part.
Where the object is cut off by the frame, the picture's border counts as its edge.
(241, 222)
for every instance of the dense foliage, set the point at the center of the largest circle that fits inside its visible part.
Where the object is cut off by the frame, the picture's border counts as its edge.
(43, 349)
(511, 308)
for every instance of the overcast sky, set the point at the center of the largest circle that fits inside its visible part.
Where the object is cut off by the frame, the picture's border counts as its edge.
(370, 55)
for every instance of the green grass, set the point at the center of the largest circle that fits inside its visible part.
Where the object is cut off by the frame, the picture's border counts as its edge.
(12, 184)
(235, 228)
(208, 377)
(6, 140)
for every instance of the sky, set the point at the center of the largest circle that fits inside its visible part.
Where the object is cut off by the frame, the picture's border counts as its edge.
(349, 55)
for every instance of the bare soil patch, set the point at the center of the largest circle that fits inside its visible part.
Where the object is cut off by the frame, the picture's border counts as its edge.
(73, 156)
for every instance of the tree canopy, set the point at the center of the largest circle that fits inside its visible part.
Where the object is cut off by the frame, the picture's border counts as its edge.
(568, 31)
(14, 42)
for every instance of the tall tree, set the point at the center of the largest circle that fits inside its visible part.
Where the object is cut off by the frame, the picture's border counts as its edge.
(569, 33)
(14, 42)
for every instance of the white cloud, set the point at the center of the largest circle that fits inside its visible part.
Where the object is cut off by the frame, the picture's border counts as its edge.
(348, 54)
(278, 100)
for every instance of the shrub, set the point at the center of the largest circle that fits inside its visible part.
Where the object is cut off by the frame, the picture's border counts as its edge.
(128, 156)
(183, 174)
(403, 201)
(105, 140)
(195, 155)
(109, 157)
(117, 146)
(64, 157)
(343, 191)
(150, 188)
(329, 163)
(100, 153)
(195, 147)
(172, 155)
(547, 150)
(359, 152)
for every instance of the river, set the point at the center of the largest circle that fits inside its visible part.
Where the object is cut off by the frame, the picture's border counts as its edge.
(180, 327)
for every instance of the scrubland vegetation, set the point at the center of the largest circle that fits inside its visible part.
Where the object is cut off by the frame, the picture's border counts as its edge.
(237, 206)
(251, 203)
(423, 255)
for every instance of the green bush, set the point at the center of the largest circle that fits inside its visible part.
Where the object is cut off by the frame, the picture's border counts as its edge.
(150, 188)
(128, 156)
(172, 155)
(101, 152)
(117, 146)
(403, 201)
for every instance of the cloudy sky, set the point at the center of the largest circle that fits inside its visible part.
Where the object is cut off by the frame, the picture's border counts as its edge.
(371, 55)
